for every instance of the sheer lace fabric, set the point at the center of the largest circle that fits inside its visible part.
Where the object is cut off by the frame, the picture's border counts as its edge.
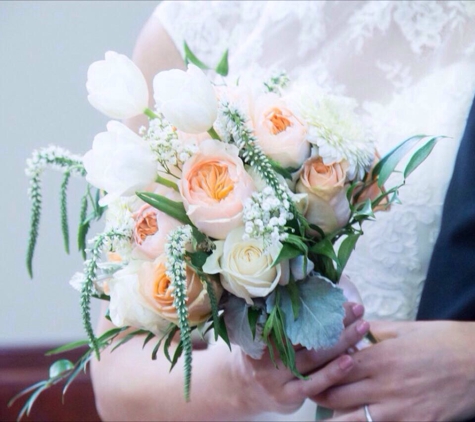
(410, 65)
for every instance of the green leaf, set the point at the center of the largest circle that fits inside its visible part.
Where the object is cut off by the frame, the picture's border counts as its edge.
(168, 342)
(325, 247)
(67, 347)
(388, 163)
(172, 208)
(198, 259)
(127, 338)
(287, 252)
(149, 337)
(223, 67)
(320, 320)
(293, 291)
(167, 183)
(364, 211)
(64, 210)
(252, 317)
(191, 58)
(213, 302)
(285, 172)
(223, 331)
(345, 250)
(59, 367)
(419, 156)
(177, 354)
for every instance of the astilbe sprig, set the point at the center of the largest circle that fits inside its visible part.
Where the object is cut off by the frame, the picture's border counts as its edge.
(176, 272)
(57, 159)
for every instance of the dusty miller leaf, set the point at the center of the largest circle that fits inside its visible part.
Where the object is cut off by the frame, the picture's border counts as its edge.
(239, 331)
(320, 319)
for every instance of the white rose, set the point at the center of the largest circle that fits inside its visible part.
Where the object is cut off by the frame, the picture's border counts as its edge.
(245, 270)
(187, 99)
(120, 162)
(117, 87)
(126, 305)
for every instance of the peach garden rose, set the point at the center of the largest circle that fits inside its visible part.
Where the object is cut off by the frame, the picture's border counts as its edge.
(280, 133)
(325, 185)
(214, 186)
(156, 292)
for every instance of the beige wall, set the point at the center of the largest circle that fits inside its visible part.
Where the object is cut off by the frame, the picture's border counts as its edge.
(45, 50)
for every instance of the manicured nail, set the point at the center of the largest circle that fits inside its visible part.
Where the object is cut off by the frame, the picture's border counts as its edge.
(362, 327)
(358, 310)
(345, 363)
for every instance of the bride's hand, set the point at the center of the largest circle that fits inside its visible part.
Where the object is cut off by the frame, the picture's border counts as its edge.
(421, 371)
(277, 390)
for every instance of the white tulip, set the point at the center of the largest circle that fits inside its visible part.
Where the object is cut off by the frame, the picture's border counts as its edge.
(186, 99)
(117, 87)
(120, 162)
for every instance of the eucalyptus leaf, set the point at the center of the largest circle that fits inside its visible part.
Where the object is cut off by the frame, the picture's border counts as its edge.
(59, 367)
(320, 320)
(239, 331)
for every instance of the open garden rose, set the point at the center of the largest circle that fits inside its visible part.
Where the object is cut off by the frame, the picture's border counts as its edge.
(186, 99)
(214, 185)
(120, 162)
(328, 205)
(126, 307)
(244, 266)
(117, 87)
(156, 292)
(280, 133)
(151, 227)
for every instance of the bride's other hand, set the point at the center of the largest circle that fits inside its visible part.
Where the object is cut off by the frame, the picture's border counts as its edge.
(422, 371)
(280, 391)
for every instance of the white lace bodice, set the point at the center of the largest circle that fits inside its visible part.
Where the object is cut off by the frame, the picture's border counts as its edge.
(411, 66)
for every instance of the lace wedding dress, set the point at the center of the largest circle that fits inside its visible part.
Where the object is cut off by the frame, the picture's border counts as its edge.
(410, 65)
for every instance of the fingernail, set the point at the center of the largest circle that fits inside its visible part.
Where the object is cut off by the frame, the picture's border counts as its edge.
(362, 327)
(345, 363)
(358, 310)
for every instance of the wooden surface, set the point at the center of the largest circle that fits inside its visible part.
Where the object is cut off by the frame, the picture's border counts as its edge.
(21, 367)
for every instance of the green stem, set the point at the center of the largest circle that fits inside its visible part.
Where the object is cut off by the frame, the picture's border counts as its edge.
(213, 133)
(166, 182)
(150, 114)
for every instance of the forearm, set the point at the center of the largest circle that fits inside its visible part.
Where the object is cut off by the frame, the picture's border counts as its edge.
(129, 385)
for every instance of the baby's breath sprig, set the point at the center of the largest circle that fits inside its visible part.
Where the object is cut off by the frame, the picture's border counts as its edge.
(252, 154)
(55, 158)
(176, 272)
(277, 82)
(163, 140)
(100, 243)
(265, 216)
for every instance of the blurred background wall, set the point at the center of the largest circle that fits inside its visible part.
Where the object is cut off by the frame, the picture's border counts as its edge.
(45, 50)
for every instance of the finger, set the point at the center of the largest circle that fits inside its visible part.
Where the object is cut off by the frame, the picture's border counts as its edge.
(353, 311)
(347, 396)
(372, 412)
(310, 360)
(320, 380)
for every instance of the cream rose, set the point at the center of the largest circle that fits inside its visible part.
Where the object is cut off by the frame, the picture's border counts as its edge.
(328, 205)
(214, 185)
(280, 133)
(245, 269)
(156, 292)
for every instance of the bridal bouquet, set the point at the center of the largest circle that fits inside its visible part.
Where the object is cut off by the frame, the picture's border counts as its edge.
(234, 211)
